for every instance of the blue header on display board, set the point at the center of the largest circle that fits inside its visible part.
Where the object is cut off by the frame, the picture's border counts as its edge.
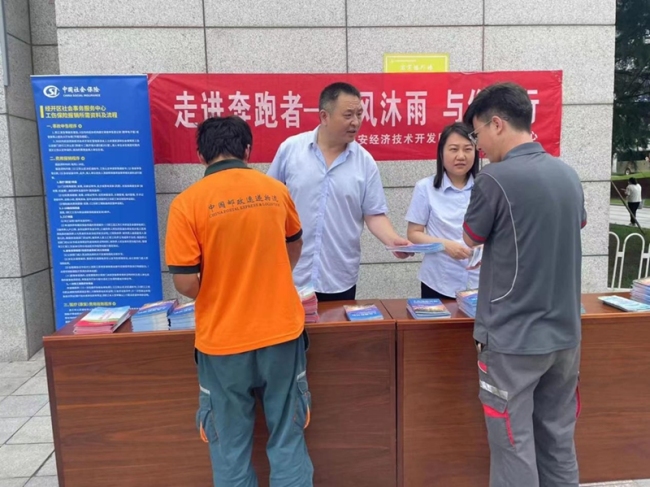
(96, 148)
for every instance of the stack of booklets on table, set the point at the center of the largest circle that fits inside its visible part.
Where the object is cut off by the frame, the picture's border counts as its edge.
(624, 304)
(362, 312)
(309, 303)
(153, 316)
(182, 317)
(427, 309)
(641, 290)
(102, 320)
(467, 301)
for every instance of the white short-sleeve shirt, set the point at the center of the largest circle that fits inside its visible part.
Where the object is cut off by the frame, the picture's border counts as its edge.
(442, 211)
(633, 192)
(332, 202)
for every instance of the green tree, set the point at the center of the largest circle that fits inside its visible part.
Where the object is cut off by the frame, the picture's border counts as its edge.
(632, 79)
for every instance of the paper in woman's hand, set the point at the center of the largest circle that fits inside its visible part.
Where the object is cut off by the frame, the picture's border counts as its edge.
(476, 258)
(429, 248)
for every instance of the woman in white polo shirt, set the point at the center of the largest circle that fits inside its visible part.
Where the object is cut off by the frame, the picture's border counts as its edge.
(633, 193)
(436, 214)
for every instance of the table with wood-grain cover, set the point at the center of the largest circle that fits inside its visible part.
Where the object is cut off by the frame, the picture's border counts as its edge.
(123, 406)
(442, 440)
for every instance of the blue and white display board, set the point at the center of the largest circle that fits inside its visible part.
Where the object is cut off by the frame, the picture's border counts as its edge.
(96, 148)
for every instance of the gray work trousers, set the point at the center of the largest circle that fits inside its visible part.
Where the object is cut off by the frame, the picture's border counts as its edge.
(226, 415)
(531, 404)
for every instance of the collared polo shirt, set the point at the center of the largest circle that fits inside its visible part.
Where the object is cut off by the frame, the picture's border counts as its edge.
(441, 211)
(528, 210)
(332, 203)
(232, 227)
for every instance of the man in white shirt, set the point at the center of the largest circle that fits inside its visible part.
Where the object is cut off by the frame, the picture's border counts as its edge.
(633, 193)
(336, 186)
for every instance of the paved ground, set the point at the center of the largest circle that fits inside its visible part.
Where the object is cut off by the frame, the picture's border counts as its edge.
(620, 215)
(26, 451)
(26, 448)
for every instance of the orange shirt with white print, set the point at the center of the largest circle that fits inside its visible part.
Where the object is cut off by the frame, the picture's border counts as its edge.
(232, 227)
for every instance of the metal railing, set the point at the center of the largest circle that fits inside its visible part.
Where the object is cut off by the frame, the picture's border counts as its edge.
(619, 261)
(619, 258)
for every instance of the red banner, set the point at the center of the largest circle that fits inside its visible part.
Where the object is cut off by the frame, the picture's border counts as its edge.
(404, 113)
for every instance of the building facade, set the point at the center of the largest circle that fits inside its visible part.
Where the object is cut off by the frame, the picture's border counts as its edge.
(281, 36)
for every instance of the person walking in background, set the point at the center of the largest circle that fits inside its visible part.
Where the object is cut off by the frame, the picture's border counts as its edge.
(232, 240)
(436, 214)
(527, 209)
(633, 194)
(337, 188)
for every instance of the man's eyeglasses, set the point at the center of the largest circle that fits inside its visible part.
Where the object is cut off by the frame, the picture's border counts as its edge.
(473, 137)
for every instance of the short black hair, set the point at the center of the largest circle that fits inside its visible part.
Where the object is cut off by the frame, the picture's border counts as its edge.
(223, 136)
(632, 180)
(332, 92)
(463, 130)
(508, 101)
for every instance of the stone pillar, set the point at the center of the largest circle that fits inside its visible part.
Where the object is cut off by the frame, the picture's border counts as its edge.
(25, 276)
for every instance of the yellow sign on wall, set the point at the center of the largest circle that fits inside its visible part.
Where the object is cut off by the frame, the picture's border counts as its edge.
(416, 63)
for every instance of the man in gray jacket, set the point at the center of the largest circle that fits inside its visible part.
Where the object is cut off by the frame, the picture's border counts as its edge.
(527, 209)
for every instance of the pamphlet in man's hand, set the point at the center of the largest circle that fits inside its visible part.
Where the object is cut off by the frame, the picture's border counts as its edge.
(428, 248)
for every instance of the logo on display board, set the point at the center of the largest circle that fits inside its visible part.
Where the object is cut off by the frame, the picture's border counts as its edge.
(51, 91)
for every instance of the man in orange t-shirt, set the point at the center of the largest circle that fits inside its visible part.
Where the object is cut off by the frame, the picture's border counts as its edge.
(232, 241)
